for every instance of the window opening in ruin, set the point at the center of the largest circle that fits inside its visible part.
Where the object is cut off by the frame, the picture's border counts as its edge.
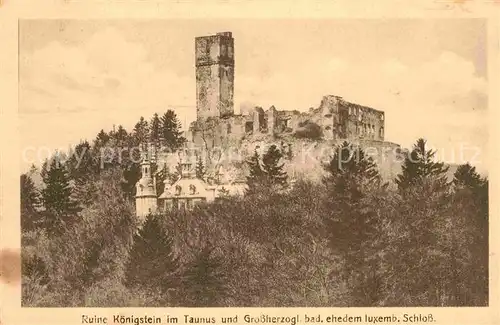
(248, 127)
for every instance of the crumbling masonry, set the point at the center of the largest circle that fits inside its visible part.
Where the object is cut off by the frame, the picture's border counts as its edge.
(216, 126)
(216, 123)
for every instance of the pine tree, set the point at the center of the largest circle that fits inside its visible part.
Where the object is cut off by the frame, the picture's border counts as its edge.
(30, 203)
(152, 263)
(419, 165)
(101, 139)
(81, 162)
(272, 169)
(350, 171)
(203, 280)
(121, 137)
(161, 176)
(60, 207)
(200, 169)
(256, 173)
(466, 176)
(155, 129)
(467, 245)
(352, 228)
(141, 131)
(170, 129)
(423, 228)
(131, 167)
(131, 175)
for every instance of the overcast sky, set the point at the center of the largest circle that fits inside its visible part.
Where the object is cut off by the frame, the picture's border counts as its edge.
(429, 76)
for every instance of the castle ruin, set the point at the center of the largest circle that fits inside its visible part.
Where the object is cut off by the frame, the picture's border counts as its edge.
(217, 126)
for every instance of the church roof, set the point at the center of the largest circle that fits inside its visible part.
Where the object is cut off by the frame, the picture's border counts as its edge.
(187, 188)
(145, 187)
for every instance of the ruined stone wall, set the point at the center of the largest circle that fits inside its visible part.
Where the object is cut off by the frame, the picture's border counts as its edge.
(218, 132)
(363, 122)
(289, 121)
(327, 117)
(226, 70)
(338, 120)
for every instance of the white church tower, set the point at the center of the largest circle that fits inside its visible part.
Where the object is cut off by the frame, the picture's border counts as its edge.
(146, 199)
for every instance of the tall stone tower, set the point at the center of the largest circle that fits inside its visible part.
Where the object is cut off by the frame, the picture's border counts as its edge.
(214, 75)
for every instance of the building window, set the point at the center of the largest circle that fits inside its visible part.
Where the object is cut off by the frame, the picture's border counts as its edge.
(248, 127)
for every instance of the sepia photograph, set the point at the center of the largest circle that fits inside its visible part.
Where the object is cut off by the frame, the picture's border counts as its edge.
(254, 162)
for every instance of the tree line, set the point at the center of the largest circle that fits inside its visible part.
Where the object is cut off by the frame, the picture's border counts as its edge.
(351, 240)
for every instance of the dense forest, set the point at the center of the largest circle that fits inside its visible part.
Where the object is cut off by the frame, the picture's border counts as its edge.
(350, 240)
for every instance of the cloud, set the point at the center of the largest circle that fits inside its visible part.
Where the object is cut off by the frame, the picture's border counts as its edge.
(442, 99)
(70, 92)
